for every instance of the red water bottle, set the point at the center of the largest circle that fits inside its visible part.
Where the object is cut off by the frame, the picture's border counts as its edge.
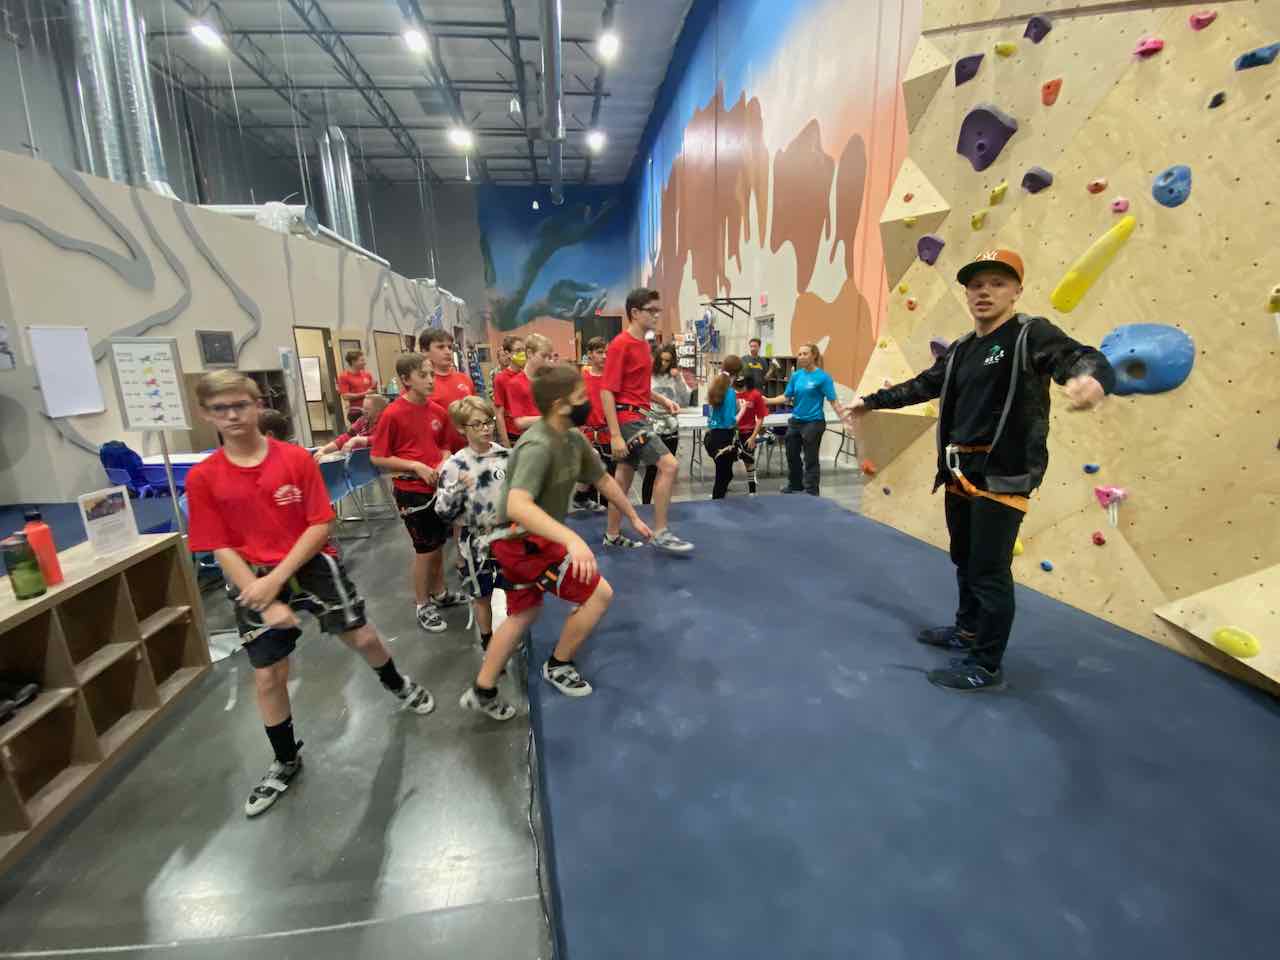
(41, 539)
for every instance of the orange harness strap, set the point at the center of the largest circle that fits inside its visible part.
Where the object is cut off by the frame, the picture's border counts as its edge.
(961, 486)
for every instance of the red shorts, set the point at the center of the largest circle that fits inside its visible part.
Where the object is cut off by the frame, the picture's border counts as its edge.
(534, 564)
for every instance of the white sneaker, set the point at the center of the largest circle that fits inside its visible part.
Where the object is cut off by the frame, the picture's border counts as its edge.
(273, 783)
(622, 540)
(429, 619)
(416, 697)
(448, 598)
(666, 540)
(566, 679)
(495, 708)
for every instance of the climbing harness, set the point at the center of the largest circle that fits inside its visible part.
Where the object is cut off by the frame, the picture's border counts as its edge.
(963, 487)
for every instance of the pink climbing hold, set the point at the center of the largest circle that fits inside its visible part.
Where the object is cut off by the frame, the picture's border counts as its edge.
(1148, 47)
(1202, 19)
(1120, 205)
(1098, 538)
(1109, 495)
(1096, 186)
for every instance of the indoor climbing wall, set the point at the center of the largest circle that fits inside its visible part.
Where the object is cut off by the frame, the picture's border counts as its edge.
(1129, 155)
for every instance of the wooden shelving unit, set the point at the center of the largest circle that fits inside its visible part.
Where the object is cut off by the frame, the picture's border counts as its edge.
(111, 647)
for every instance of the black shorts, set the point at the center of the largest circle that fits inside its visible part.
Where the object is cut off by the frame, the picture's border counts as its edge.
(321, 588)
(427, 531)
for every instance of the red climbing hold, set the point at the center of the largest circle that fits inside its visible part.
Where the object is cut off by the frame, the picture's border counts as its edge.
(908, 197)
(868, 468)
(912, 303)
(1148, 47)
(1049, 92)
(1202, 19)
(1097, 186)
(1098, 538)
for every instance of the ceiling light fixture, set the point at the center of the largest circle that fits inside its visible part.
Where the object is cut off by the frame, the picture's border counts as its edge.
(596, 140)
(207, 36)
(467, 160)
(608, 45)
(414, 40)
(461, 138)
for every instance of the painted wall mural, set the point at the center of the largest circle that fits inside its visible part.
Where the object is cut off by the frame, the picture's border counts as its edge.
(768, 168)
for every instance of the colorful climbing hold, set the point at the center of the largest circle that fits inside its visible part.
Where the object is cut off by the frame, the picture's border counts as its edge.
(1273, 305)
(1172, 187)
(912, 303)
(967, 68)
(1046, 566)
(1258, 58)
(869, 468)
(1202, 19)
(910, 221)
(1084, 273)
(1049, 92)
(998, 192)
(930, 410)
(1038, 28)
(1148, 357)
(1096, 186)
(1091, 468)
(883, 344)
(886, 490)
(938, 346)
(1217, 100)
(1237, 642)
(1148, 47)
(983, 134)
(1006, 48)
(1018, 548)
(902, 288)
(1120, 205)
(908, 197)
(978, 220)
(1037, 179)
(1098, 539)
(929, 247)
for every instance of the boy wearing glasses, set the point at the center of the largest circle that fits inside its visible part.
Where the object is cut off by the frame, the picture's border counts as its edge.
(470, 482)
(261, 508)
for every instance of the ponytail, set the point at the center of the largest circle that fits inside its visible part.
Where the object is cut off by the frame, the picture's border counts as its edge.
(718, 387)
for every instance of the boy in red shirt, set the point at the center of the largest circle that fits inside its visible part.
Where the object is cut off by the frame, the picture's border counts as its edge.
(261, 507)
(595, 430)
(451, 384)
(513, 347)
(750, 424)
(360, 433)
(356, 381)
(517, 391)
(626, 396)
(412, 439)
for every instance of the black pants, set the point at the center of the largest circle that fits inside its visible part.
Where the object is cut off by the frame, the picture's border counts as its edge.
(722, 449)
(982, 537)
(748, 458)
(804, 437)
(651, 473)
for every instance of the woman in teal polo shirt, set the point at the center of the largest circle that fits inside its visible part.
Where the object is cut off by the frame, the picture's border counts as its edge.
(807, 390)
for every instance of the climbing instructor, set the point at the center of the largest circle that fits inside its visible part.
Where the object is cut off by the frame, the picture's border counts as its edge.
(993, 427)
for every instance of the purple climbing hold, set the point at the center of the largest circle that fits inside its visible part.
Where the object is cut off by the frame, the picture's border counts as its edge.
(929, 247)
(1036, 179)
(938, 346)
(1218, 100)
(1038, 28)
(967, 67)
(1258, 58)
(984, 133)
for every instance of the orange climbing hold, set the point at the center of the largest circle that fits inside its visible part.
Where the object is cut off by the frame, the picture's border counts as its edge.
(869, 468)
(1049, 92)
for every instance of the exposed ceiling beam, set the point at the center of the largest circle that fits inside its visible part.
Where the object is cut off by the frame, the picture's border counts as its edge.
(462, 86)
(491, 31)
(490, 132)
(606, 19)
(517, 64)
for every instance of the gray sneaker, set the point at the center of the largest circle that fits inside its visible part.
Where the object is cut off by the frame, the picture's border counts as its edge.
(495, 708)
(416, 697)
(622, 540)
(429, 619)
(449, 599)
(668, 541)
(273, 783)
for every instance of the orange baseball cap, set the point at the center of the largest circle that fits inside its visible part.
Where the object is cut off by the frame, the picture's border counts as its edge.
(1000, 259)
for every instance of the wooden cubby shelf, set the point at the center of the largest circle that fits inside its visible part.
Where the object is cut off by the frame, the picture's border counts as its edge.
(112, 647)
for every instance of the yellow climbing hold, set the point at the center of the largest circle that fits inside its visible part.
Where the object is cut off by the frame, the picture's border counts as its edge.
(1082, 274)
(884, 344)
(1274, 303)
(909, 221)
(930, 409)
(1006, 48)
(1017, 548)
(1237, 642)
(978, 220)
(902, 288)
(997, 194)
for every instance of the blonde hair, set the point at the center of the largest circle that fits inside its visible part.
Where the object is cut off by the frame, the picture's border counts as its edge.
(817, 353)
(537, 343)
(462, 411)
(377, 401)
(225, 381)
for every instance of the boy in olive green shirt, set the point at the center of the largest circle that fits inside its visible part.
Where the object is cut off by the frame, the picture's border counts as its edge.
(543, 555)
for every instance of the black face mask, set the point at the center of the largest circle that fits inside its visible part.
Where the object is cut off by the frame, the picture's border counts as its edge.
(579, 413)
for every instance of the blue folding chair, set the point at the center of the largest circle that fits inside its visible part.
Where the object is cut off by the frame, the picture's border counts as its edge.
(364, 477)
(338, 484)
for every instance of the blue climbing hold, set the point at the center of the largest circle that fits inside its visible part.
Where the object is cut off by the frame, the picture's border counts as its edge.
(1091, 468)
(1046, 566)
(967, 68)
(1172, 186)
(1148, 357)
(1258, 58)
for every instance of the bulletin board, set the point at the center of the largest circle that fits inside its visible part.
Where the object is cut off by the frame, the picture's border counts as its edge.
(149, 383)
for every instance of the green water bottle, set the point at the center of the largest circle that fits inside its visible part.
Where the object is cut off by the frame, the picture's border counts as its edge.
(23, 566)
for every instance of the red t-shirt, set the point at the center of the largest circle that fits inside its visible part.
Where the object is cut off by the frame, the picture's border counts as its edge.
(360, 383)
(450, 387)
(756, 409)
(259, 512)
(515, 396)
(628, 371)
(361, 428)
(595, 383)
(419, 432)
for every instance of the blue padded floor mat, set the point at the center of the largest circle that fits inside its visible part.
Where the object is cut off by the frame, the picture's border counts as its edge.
(764, 772)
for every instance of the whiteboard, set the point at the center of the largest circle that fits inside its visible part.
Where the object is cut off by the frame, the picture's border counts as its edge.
(149, 383)
(64, 367)
(311, 388)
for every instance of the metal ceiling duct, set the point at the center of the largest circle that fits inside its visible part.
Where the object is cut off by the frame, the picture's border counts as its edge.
(95, 73)
(138, 117)
(346, 185)
(553, 96)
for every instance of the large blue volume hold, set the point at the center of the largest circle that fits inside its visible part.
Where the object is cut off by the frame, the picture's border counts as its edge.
(1149, 357)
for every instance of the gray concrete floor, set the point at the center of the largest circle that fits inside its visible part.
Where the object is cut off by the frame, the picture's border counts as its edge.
(404, 834)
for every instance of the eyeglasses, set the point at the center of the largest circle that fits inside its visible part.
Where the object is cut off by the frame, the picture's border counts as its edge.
(652, 311)
(223, 409)
(482, 424)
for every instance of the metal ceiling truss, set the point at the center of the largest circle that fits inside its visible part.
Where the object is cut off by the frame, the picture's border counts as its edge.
(517, 66)
(479, 85)
(606, 19)
(444, 29)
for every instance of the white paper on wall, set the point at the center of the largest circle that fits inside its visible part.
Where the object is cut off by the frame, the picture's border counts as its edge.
(149, 381)
(64, 367)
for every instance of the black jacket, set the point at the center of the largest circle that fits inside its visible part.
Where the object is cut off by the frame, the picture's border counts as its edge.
(1019, 451)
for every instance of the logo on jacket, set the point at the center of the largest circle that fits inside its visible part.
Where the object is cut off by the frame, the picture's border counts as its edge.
(995, 355)
(286, 495)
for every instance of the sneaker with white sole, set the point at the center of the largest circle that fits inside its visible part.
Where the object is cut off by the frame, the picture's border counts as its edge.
(622, 540)
(273, 783)
(429, 619)
(448, 598)
(495, 708)
(415, 697)
(566, 679)
(666, 540)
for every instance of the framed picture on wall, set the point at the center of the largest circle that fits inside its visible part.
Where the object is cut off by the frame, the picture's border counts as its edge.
(217, 348)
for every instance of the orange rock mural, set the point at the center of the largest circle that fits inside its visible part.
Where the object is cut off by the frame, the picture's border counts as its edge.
(847, 321)
(802, 175)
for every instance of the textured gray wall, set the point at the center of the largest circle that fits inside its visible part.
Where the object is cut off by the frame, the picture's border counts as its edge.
(44, 50)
